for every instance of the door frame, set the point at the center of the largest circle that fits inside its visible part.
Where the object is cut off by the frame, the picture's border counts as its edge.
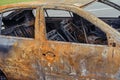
(94, 20)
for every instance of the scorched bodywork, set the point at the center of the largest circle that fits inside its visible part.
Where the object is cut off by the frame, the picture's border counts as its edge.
(35, 45)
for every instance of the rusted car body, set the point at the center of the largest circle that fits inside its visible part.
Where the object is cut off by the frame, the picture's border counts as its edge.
(37, 57)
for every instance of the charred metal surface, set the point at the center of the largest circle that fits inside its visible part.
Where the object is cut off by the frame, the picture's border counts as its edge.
(19, 23)
(37, 58)
(4, 49)
(6, 44)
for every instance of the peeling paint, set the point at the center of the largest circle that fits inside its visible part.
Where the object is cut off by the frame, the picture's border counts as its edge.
(41, 59)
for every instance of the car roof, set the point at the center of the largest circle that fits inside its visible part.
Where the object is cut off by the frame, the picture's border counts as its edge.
(79, 3)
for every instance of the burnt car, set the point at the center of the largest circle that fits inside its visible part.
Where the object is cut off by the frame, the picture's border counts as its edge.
(57, 40)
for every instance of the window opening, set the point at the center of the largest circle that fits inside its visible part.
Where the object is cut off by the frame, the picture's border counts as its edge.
(72, 28)
(18, 23)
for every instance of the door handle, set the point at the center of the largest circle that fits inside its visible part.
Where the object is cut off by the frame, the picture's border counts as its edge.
(49, 53)
(49, 56)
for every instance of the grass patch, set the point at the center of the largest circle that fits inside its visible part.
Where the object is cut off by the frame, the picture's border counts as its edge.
(4, 2)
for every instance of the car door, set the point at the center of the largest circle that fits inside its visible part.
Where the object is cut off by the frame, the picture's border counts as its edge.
(67, 59)
(17, 42)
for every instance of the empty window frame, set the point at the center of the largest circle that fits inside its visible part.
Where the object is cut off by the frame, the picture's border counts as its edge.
(18, 23)
(70, 27)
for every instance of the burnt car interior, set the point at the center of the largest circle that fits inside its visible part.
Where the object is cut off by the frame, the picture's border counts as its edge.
(72, 28)
(69, 27)
(112, 21)
(18, 23)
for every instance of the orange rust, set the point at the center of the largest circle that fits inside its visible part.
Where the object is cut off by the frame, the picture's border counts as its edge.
(40, 58)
